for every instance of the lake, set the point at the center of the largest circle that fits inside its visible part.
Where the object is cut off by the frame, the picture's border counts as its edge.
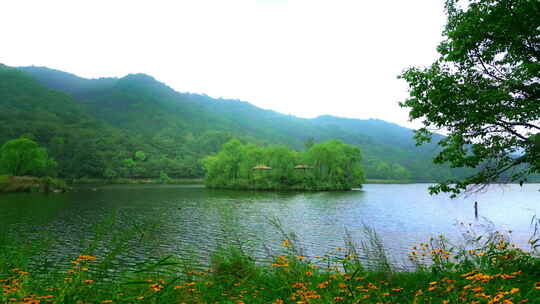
(193, 220)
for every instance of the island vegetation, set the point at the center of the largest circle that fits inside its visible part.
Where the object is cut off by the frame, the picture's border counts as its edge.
(330, 165)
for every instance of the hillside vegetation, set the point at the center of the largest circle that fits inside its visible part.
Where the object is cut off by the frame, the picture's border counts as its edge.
(135, 127)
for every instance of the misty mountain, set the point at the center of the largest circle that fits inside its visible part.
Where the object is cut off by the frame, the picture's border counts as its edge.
(174, 127)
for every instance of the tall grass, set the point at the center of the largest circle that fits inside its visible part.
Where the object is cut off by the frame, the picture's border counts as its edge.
(490, 271)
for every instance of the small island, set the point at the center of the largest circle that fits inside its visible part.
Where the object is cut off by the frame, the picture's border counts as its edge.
(326, 166)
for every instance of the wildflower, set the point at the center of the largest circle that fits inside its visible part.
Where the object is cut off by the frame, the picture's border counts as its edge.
(156, 287)
(278, 301)
(300, 257)
(309, 273)
(322, 285)
(106, 301)
(338, 299)
(140, 298)
(342, 285)
(285, 243)
(396, 289)
(482, 295)
(514, 290)
(298, 285)
(88, 281)
(82, 258)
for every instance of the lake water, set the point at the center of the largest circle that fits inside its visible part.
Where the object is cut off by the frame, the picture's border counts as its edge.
(195, 220)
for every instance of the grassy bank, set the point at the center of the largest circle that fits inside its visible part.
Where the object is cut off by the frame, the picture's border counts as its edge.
(485, 272)
(31, 184)
(135, 181)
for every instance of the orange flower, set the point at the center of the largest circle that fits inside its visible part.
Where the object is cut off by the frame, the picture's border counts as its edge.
(156, 287)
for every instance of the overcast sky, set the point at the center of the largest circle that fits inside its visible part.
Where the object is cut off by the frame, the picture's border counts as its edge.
(305, 58)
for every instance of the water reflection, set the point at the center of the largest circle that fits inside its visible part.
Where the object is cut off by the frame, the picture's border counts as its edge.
(192, 219)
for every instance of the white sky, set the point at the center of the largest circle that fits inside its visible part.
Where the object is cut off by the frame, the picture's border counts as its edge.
(305, 58)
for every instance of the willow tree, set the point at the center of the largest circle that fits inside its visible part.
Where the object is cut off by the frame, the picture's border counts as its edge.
(484, 91)
(24, 156)
(330, 165)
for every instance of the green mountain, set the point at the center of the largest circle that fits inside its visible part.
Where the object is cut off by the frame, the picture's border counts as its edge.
(109, 119)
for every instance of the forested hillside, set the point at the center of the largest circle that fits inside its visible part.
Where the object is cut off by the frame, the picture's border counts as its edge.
(137, 127)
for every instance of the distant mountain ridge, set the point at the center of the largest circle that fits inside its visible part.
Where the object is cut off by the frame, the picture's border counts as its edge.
(142, 107)
(86, 90)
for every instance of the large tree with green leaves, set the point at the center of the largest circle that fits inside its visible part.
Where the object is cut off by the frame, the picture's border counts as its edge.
(24, 156)
(484, 91)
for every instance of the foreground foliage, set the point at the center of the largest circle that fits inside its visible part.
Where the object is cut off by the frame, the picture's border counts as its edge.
(490, 272)
(484, 91)
(331, 165)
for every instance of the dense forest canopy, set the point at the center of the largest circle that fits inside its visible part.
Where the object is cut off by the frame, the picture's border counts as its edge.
(330, 165)
(485, 91)
(101, 127)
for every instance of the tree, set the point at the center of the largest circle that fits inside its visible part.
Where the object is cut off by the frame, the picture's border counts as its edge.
(140, 155)
(24, 156)
(484, 91)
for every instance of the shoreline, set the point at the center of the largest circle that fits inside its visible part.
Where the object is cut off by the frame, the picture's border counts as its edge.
(31, 184)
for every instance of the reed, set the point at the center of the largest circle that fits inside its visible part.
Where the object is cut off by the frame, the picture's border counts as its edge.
(487, 270)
